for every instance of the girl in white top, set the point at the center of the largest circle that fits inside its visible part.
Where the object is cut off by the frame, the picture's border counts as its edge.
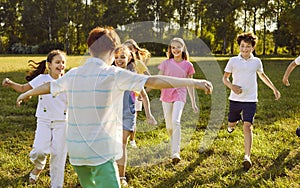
(51, 118)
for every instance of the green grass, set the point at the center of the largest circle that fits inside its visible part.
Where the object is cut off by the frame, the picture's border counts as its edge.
(275, 153)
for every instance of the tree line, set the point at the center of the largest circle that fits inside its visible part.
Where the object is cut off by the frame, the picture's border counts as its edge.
(31, 26)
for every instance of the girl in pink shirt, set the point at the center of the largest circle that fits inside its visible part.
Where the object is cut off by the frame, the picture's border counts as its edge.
(173, 99)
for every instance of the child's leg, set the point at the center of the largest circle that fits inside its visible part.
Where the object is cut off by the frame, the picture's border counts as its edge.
(176, 118)
(85, 176)
(249, 110)
(168, 108)
(122, 162)
(248, 138)
(106, 175)
(132, 135)
(234, 115)
(58, 154)
(41, 145)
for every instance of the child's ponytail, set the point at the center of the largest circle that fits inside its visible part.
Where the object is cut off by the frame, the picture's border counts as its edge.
(40, 68)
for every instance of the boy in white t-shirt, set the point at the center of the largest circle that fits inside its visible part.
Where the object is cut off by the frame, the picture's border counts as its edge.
(286, 82)
(243, 95)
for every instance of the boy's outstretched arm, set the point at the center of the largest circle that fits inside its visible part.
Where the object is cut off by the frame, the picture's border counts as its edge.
(160, 81)
(269, 83)
(287, 73)
(42, 89)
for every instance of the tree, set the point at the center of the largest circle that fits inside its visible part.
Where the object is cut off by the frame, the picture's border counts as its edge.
(222, 19)
(10, 21)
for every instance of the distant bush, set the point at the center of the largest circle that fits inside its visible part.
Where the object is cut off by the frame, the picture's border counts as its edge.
(19, 48)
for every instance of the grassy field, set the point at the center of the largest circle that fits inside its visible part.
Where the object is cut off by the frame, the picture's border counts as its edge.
(275, 153)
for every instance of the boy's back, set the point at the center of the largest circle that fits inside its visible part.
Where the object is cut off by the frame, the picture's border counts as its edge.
(95, 91)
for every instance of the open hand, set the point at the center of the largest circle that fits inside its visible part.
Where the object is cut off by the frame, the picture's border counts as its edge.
(277, 95)
(286, 82)
(195, 108)
(21, 98)
(151, 120)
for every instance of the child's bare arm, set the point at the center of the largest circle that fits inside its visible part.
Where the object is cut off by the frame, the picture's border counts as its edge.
(42, 89)
(146, 102)
(16, 86)
(191, 91)
(160, 81)
(269, 83)
(287, 73)
(235, 88)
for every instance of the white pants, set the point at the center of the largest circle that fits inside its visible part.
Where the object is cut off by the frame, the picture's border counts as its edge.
(50, 139)
(172, 114)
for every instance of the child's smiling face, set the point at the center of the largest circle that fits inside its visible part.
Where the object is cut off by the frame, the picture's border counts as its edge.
(176, 48)
(246, 49)
(57, 65)
(121, 59)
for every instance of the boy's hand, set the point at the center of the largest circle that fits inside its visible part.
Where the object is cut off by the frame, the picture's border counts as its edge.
(237, 89)
(208, 88)
(21, 98)
(277, 94)
(204, 85)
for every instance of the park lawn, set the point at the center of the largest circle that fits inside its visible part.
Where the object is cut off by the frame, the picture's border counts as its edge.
(275, 153)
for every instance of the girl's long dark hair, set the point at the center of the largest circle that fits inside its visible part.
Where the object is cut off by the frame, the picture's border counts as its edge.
(41, 67)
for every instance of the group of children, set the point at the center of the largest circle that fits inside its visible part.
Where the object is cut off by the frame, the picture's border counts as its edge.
(101, 100)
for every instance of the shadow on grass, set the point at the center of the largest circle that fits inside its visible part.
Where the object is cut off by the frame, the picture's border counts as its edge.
(17, 182)
(278, 168)
(182, 175)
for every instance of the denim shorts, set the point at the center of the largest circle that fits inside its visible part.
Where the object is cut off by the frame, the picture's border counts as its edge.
(244, 111)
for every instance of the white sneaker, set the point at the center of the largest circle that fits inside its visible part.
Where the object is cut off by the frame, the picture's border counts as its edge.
(247, 163)
(133, 143)
(176, 158)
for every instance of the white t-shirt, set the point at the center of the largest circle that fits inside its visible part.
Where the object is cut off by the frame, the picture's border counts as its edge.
(244, 74)
(297, 60)
(49, 107)
(95, 109)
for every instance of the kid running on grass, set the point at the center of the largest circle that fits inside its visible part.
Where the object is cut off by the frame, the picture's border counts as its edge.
(173, 99)
(126, 60)
(51, 118)
(95, 102)
(142, 56)
(286, 76)
(243, 95)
